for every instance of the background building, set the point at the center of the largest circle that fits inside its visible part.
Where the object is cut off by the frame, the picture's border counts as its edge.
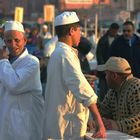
(107, 10)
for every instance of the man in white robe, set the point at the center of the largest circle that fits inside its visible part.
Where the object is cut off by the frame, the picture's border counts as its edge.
(21, 101)
(68, 96)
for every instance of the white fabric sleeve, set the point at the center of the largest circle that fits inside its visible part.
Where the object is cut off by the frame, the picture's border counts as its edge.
(19, 79)
(76, 81)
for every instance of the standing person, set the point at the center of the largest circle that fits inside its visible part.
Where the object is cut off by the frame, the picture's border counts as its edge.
(45, 34)
(84, 48)
(102, 55)
(121, 105)
(92, 40)
(68, 96)
(49, 48)
(21, 101)
(128, 47)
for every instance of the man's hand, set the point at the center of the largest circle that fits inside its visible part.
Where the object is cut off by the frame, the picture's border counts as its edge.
(3, 53)
(110, 124)
(90, 125)
(101, 133)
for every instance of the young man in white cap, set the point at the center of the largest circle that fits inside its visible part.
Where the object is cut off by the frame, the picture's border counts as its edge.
(68, 96)
(21, 101)
(121, 105)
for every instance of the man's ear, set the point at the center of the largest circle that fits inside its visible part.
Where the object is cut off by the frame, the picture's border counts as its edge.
(25, 40)
(115, 75)
(72, 31)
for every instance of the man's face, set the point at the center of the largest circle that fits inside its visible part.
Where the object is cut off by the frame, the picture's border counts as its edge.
(113, 32)
(128, 31)
(44, 30)
(110, 79)
(76, 36)
(15, 42)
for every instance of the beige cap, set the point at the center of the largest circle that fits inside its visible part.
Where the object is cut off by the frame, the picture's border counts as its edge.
(66, 18)
(116, 64)
(13, 25)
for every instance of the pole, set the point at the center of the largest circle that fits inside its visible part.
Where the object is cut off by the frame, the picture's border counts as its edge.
(53, 28)
(85, 27)
(100, 17)
(96, 28)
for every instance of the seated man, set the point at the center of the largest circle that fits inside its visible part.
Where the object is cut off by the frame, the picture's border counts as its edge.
(121, 106)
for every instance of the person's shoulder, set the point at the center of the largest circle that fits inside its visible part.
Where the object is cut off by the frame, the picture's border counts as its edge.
(135, 79)
(32, 59)
(103, 39)
(133, 88)
(134, 83)
(118, 40)
(137, 36)
(105, 36)
(67, 52)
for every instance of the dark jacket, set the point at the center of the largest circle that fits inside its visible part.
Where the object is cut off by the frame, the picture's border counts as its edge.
(121, 48)
(103, 51)
(84, 48)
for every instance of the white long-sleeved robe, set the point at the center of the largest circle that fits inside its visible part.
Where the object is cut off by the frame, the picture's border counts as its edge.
(21, 102)
(67, 96)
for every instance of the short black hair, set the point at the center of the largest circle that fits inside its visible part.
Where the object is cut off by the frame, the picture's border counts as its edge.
(84, 46)
(114, 26)
(128, 23)
(63, 30)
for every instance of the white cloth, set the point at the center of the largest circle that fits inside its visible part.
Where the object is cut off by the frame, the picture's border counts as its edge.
(21, 101)
(93, 41)
(67, 96)
(110, 39)
(47, 35)
(50, 46)
(94, 45)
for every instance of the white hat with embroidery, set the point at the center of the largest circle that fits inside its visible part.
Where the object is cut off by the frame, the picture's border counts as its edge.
(13, 25)
(66, 18)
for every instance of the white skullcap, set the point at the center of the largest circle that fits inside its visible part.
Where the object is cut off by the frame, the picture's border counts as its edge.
(13, 25)
(66, 18)
(45, 26)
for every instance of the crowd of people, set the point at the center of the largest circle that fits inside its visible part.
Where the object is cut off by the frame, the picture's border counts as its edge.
(44, 93)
